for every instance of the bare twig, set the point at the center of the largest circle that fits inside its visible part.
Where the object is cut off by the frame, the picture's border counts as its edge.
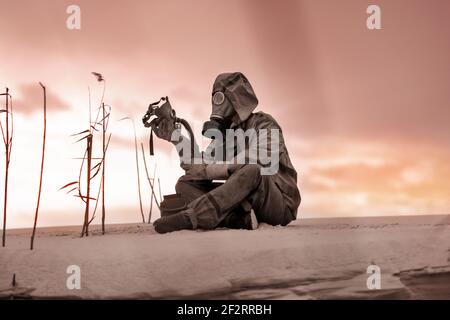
(103, 168)
(137, 166)
(159, 187)
(153, 195)
(101, 183)
(92, 171)
(42, 167)
(85, 230)
(7, 139)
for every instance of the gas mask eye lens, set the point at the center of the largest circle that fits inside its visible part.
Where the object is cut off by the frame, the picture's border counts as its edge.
(218, 98)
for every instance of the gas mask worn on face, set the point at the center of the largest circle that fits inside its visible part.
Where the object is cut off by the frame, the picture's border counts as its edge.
(220, 120)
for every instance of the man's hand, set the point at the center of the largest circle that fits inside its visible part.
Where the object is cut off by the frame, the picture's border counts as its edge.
(207, 171)
(163, 128)
(195, 170)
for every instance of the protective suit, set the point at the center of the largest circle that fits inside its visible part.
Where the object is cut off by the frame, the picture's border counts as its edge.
(247, 192)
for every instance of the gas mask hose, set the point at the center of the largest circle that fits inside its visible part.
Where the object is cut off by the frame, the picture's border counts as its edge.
(188, 128)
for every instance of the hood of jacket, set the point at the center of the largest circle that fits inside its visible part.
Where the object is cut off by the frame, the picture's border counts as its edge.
(239, 91)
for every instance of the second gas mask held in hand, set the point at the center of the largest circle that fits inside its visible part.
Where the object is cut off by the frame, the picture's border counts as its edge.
(221, 115)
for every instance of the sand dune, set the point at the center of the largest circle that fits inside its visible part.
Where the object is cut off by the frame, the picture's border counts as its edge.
(309, 259)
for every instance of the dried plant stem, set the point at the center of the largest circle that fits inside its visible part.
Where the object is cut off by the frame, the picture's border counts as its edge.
(150, 211)
(137, 166)
(159, 188)
(42, 168)
(100, 188)
(103, 167)
(138, 175)
(7, 158)
(153, 195)
(85, 230)
(86, 162)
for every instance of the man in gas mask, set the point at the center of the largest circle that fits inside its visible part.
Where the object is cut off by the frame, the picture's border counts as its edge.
(247, 193)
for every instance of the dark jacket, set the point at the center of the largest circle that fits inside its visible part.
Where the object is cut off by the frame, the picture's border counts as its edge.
(241, 94)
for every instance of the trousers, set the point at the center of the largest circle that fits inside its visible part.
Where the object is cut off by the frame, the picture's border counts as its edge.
(211, 203)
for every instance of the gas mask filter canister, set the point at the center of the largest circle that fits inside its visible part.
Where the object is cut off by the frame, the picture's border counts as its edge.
(218, 120)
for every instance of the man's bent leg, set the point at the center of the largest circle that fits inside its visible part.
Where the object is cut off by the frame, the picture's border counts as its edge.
(190, 188)
(269, 204)
(211, 208)
(208, 210)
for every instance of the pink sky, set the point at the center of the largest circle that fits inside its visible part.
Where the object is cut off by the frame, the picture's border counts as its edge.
(365, 113)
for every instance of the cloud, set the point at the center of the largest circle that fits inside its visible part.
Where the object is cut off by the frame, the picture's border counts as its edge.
(349, 82)
(121, 142)
(374, 180)
(29, 99)
(127, 143)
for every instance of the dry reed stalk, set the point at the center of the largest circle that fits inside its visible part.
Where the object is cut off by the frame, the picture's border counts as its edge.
(137, 166)
(93, 171)
(42, 168)
(103, 168)
(159, 188)
(85, 230)
(153, 195)
(7, 139)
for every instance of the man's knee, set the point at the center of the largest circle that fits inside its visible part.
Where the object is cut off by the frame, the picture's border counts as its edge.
(251, 173)
(182, 185)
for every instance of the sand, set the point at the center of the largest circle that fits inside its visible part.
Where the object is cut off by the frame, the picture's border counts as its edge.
(309, 259)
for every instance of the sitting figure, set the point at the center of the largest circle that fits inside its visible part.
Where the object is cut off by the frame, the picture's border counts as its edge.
(260, 182)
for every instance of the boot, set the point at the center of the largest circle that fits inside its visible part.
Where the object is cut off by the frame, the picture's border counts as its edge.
(240, 220)
(174, 222)
(253, 221)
